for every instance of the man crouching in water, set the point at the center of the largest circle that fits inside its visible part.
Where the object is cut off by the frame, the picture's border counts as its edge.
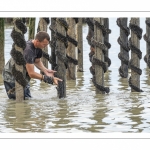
(32, 55)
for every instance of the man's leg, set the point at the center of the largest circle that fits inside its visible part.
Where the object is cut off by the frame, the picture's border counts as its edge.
(27, 93)
(10, 89)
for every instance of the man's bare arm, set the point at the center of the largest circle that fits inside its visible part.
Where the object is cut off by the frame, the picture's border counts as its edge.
(40, 65)
(32, 73)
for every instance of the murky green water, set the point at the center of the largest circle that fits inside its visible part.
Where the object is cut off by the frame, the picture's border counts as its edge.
(82, 110)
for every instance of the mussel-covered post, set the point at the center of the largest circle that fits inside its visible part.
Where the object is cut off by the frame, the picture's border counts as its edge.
(98, 59)
(71, 53)
(42, 26)
(90, 36)
(80, 45)
(31, 28)
(124, 49)
(106, 42)
(136, 54)
(61, 59)
(98, 36)
(2, 39)
(53, 42)
(18, 69)
(147, 39)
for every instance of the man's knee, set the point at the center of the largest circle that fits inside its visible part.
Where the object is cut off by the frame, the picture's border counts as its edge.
(10, 89)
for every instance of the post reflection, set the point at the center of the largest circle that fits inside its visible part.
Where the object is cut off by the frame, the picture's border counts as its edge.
(123, 84)
(61, 118)
(135, 111)
(99, 113)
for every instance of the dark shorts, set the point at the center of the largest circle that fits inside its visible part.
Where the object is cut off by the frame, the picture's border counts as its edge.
(11, 95)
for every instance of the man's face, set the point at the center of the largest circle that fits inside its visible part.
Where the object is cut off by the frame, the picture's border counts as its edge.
(42, 44)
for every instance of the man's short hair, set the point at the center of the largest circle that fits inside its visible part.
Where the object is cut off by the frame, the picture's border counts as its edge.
(41, 35)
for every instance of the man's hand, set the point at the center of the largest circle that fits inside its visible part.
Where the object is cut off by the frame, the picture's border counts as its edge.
(50, 80)
(55, 80)
(50, 72)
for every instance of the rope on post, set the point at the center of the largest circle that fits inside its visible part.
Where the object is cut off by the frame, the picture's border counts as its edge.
(53, 43)
(90, 24)
(61, 55)
(90, 35)
(124, 48)
(49, 58)
(64, 39)
(103, 46)
(136, 55)
(98, 59)
(147, 39)
(18, 46)
(61, 43)
(72, 43)
(106, 42)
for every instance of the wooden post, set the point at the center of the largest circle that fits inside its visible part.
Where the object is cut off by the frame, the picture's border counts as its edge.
(42, 26)
(106, 42)
(148, 43)
(31, 28)
(99, 73)
(53, 42)
(106, 37)
(89, 21)
(2, 39)
(147, 39)
(80, 45)
(89, 36)
(61, 72)
(71, 71)
(123, 41)
(135, 61)
(19, 89)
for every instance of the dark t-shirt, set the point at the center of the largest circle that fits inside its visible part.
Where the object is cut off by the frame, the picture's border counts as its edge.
(30, 53)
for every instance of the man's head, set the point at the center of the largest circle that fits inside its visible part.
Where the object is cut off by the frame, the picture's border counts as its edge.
(41, 40)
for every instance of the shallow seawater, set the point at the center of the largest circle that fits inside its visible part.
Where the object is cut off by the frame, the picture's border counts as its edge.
(82, 110)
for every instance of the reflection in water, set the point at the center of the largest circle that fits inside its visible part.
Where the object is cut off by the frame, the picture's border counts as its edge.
(15, 115)
(99, 114)
(107, 78)
(80, 79)
(135, 111)
(146, 80)
(61, 116)
(123, 84)
(139, 112)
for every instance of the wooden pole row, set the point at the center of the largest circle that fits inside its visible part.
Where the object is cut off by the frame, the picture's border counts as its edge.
(75, 32)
